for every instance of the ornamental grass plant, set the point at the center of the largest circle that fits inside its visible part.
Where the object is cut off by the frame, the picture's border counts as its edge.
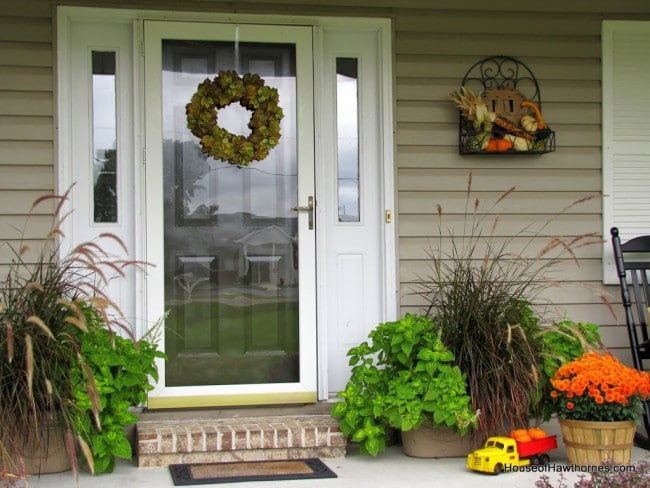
(597, 387)
(42, 326)
(484, 291)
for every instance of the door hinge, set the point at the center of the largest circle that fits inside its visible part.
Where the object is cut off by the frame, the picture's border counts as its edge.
(389, 216)
(144, 156)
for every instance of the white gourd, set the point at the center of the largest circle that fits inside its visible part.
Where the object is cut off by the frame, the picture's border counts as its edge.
(528, 123)
(518, 143)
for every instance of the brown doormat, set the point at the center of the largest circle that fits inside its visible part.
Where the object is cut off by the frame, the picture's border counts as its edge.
(230, 472)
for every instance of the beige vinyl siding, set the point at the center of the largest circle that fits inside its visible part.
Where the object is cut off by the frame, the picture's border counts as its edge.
(435, 43)
(26, 122)
(432, 54)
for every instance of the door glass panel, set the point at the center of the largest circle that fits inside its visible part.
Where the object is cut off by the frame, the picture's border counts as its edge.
(230, 237)
(347, 130)
(104, 137)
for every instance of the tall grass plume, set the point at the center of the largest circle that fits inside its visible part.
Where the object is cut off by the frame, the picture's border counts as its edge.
(484, 292)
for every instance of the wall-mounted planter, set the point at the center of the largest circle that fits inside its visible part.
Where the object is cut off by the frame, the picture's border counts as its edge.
(500, 110)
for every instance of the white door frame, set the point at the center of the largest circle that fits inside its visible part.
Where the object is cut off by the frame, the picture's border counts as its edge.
(134, 113)
(368, 41)
(114, 32)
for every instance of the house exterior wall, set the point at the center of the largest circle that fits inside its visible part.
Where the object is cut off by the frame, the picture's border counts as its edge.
(26, 118)
(434, 45)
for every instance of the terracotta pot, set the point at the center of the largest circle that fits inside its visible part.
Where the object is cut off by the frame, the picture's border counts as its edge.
(593, 443)
(435, 442)
(44, 455)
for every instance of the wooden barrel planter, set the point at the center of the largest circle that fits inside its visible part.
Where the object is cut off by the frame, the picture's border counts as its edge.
(594, 443)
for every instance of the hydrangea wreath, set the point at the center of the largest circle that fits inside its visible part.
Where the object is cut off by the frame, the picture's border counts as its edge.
(252, 94)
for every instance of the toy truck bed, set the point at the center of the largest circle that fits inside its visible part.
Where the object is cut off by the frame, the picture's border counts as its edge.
(537, 446)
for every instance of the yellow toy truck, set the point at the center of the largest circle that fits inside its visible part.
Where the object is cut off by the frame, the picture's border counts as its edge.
(502, 453)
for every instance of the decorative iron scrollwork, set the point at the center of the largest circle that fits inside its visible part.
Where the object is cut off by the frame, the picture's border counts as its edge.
(500, 110)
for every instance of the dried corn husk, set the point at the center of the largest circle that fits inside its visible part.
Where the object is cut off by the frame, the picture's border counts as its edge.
(473, 108)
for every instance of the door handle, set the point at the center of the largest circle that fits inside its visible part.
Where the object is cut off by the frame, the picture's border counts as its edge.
(307, 208)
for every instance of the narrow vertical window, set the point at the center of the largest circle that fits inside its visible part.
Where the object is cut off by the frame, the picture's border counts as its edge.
(347, 129)
(104, 137)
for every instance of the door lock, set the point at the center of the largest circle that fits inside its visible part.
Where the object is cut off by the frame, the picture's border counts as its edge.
(307, 208)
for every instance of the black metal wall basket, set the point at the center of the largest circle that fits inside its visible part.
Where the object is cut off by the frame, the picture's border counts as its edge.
(503, 83)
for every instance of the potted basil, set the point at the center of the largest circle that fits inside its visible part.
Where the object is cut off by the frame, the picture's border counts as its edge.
(404, 378)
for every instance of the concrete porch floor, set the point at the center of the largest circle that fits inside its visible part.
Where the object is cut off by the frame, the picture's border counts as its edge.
(390, 469)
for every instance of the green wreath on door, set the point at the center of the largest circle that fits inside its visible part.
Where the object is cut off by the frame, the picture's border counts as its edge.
(252, 94)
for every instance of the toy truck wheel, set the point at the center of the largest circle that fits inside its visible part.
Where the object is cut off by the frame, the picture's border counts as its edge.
(536, 460)
(544, 459)
(498, 468)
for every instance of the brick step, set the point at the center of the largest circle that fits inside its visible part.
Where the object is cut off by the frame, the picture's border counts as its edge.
(163, 442)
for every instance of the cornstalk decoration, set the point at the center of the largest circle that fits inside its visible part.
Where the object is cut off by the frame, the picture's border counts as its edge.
(474, 109)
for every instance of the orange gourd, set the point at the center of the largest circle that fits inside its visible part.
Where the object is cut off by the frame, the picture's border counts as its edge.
(537, 433)
(538, 114)
(498, 145)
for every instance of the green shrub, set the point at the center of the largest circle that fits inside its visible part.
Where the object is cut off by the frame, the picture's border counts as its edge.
(120, 369)
(405, 376)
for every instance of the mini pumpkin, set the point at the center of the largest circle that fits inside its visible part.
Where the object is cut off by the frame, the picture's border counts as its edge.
(498, 145)
(518, 432)
(537, 433)
(521, 435)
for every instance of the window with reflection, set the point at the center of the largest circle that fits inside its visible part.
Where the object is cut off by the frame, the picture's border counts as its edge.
(104, 137)
(230, 236)
(347, 129)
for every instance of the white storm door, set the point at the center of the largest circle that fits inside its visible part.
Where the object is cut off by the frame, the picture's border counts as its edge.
(234, 262)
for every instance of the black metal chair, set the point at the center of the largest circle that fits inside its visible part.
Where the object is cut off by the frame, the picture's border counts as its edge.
(633, 260)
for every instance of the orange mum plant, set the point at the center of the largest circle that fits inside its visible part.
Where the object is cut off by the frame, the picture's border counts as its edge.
(597, 387)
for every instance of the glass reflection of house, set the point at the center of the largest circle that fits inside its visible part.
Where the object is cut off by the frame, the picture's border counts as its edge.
(195, 270)
(267, 257)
